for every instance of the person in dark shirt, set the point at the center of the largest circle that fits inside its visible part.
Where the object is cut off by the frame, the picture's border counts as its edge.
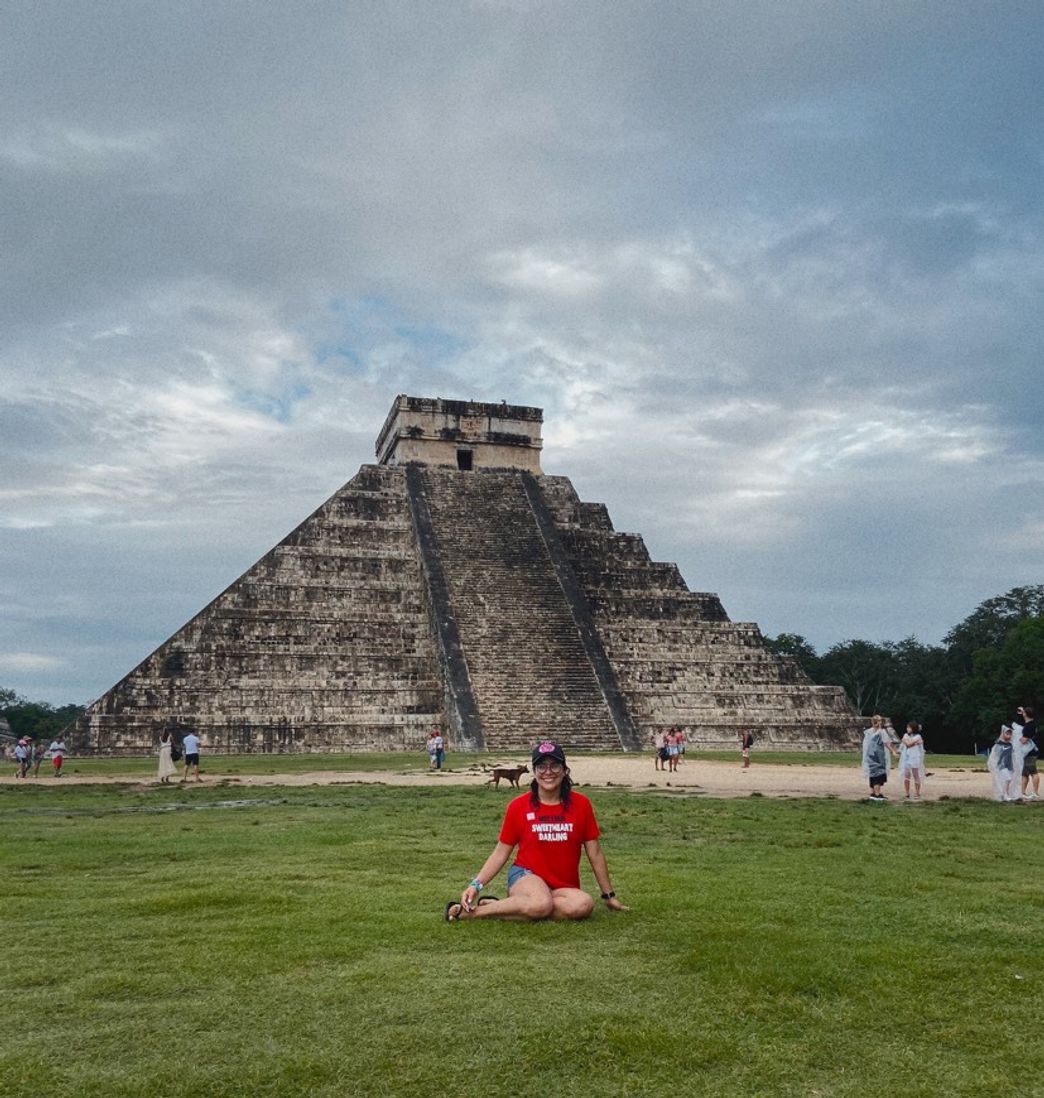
(1030, 745)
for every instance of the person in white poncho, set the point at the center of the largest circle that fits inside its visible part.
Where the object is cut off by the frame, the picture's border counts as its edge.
(1005, 764)
(911, 759)
(877, 747)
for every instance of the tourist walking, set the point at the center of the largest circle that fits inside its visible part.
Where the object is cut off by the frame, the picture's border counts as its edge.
(39, 753)
(911, 760)
(440, 749)
(57, 752)
(877, 747)
(659, 755)
(21, 753)
(671, 743)
(663, 752)
(549, 825)
(1031, 753)
(430, 748)
(190, 743)
(746, 743)
(166, 769)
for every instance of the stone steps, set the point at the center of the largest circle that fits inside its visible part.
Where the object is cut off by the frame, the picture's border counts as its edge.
(529, 672)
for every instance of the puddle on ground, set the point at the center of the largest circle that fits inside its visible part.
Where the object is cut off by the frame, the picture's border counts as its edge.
(260, 802)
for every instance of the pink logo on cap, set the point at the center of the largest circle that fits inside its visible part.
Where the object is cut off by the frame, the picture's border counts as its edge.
(547, 748)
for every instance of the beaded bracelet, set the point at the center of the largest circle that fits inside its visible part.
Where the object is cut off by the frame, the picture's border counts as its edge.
(476, 884)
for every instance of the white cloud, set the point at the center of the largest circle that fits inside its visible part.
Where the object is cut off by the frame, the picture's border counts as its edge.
(29, 661)
(54, 149)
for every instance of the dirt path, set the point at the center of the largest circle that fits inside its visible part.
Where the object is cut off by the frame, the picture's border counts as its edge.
(711, 779)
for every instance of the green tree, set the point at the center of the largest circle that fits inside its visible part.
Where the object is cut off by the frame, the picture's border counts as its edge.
(865, 670)
(990, 622)
(797, 648)
(1002, 678)
(927, 683)
(38, 720)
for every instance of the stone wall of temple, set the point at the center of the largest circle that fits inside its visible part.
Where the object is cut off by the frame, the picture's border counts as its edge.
(325, 644)
(492, 603)
(678, 659)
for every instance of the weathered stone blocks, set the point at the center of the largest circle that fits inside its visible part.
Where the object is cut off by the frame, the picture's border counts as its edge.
(481, 597)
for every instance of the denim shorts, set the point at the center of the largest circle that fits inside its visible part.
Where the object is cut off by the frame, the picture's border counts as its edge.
(515, 874)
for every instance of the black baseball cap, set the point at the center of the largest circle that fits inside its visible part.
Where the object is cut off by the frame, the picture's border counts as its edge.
(548, 749)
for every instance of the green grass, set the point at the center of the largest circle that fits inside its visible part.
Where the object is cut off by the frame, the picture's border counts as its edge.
(220, 766)
(289, 942)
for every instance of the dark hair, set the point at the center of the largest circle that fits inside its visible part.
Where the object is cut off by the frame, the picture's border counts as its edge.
(1028, 711)
(914, 725)
(565, 790)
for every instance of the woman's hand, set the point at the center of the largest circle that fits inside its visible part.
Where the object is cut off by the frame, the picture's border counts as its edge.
(614, 904)
(469, 898)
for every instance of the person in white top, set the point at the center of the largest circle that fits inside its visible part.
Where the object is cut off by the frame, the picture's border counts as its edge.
(911, 759)
(190, 742)
(440, 749)
(57, 753)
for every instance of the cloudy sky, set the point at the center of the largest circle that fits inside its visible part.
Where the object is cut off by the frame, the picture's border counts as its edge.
(774, 271)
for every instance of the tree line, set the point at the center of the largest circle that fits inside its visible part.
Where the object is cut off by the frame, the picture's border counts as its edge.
(36, 719)
(961, 691)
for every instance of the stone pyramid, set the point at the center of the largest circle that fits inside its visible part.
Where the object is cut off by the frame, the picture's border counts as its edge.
(452, 584)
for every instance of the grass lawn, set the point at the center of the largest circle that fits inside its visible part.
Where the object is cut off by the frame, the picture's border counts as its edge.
(174, 942)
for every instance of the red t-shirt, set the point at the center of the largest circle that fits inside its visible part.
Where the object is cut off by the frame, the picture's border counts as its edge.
(549, 837)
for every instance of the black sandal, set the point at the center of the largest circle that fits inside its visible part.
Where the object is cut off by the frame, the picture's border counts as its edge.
(453, 918)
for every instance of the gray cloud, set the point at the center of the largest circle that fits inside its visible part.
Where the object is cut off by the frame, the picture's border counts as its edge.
(773, 271)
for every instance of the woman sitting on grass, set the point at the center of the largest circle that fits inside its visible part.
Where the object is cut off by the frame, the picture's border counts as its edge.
(549, 825)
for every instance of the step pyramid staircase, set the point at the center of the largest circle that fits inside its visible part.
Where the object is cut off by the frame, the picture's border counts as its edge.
(453, 585)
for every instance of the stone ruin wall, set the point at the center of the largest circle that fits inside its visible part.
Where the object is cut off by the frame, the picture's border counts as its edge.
(494, 604)
(679, 660)
(324, 645)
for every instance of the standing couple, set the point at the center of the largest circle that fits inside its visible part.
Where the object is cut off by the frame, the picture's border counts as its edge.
(878, 750)
(170, 752)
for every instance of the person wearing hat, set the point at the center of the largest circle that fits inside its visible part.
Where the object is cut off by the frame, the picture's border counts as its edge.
(549, 825)
(21, 752)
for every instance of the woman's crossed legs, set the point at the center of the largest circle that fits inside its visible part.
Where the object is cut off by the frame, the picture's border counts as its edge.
(530, 899)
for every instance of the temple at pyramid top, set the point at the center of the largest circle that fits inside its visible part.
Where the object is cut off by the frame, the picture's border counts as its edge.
(461, 434)
(454, 584)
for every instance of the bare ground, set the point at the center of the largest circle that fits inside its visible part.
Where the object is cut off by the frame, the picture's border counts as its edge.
(694, 777)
